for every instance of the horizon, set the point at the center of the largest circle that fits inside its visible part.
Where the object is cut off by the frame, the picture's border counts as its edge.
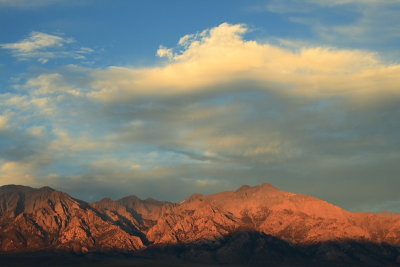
(134, 195)
(195, 194)
(168, 99)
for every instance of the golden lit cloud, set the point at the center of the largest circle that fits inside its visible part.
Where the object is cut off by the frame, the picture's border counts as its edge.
(3, 123)
(65, 143)
(43, 47)
(50, 84)
(17, 173)
(221, 55)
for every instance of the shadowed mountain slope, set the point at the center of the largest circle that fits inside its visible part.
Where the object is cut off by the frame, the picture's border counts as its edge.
(256, 224)
(39, 219)
(296, 218)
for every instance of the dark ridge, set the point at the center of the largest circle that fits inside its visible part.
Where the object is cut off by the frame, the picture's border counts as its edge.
(242, 248)
(15, 188)
(105, 200)
(153, 201)
(20, 204)
(128, 227)
(221, 229)
(129, 199)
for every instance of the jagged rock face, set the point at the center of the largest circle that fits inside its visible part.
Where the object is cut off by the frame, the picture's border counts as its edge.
(37, 219)
(33, 219)
(132, 213)
(381, 228)
(295, 218)
(147, 211)
(193, 221)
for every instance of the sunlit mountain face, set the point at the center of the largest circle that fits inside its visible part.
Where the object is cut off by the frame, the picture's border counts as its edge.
(253, 225)
(163, 99)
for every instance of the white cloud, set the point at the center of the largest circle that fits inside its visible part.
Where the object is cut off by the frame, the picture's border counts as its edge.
(371, 27)
(165, 52)
(43, 47)
(366, 23)
(220, 56)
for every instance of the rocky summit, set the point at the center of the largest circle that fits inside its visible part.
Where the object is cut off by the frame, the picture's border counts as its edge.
(259, 225)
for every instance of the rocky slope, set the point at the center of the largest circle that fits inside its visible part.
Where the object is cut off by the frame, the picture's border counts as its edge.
(38, 219)
(295, 218)
(260, 222)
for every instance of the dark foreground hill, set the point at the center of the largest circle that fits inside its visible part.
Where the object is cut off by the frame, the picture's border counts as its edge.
(252, 226)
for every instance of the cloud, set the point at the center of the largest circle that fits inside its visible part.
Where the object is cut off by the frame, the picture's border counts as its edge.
(37, 41)
(15, 173)
(345, 2)
(25, 4)
(293, 116)
(64, 143)
(217, 112)
(3, 123)
(371, 26)
(296, 6)
(165, 52)
(48, 84)
(220, 55)
(160, 183)
(23, 152)
(349, 23)
(43, 47)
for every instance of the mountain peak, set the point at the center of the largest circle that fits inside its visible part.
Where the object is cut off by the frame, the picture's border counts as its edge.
(47, 217)
(243, 188)
(106, 200)
(194, 197)
(264, 186)
(267, 186)
(251, 217)
(47, 189)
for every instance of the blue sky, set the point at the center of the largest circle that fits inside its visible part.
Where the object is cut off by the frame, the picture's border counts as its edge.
(169, 98)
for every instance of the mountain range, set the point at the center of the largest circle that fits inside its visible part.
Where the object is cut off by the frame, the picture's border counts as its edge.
(254, 225)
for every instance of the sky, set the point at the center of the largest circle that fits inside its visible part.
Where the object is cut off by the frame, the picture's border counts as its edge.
(165, 99)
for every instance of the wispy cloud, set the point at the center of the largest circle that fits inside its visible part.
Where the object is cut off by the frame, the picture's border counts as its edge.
(24, 4)
(50, 84)
(43, 47)
(345, 2)
(344, 22)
